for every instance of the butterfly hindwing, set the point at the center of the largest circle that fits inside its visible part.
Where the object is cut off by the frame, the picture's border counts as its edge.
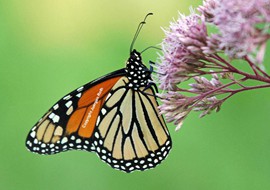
(130, 134)
(69, 124)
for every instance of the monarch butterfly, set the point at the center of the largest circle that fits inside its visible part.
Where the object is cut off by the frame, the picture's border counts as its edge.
(115, 116)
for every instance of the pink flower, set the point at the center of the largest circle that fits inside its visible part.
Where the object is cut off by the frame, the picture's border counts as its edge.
(182, 50)
(190, 53)
(243, 25)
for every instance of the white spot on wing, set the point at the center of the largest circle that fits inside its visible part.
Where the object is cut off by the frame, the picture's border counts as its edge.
(109, 95)
(69, 111)
(33, 134)
(96, 135)
(51, 115)
(98, 120)
(104, 157)
(162, 149)
(67, 97)
(68, 104)
(103, 111)
(35, 141)
(80, 89)
(56, 106)
(56, 119)
(64, 140)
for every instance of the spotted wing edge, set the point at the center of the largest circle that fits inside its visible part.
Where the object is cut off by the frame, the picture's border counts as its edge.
(56, 146)
(151, 160)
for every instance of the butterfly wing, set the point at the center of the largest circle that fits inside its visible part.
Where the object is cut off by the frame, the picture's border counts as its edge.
(70, 123)
(130, 134)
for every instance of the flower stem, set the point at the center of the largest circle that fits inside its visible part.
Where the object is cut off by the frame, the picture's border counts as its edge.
(233, 92)
(230, 67)
(256, 67)
(197, 99)
(248, 88)
(265, 78)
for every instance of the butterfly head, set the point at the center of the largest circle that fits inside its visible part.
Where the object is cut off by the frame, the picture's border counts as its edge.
(137, 73)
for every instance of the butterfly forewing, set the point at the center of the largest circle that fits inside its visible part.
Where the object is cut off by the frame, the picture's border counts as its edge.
(70, 123)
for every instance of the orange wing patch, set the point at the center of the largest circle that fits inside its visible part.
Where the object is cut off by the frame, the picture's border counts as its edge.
(88, 124)
(84, 118)
(75, 121)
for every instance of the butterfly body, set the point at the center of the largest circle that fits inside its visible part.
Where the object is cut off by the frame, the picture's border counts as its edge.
(115, 116)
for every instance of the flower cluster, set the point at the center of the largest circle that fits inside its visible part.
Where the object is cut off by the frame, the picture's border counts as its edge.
(239, 24)
(190, 52)
(182, 52)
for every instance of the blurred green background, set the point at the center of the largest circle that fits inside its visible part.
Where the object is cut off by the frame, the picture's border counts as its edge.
(50, 47)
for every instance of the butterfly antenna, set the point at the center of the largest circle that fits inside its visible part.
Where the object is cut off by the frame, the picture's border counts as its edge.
(138, 31)
(151, 47)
